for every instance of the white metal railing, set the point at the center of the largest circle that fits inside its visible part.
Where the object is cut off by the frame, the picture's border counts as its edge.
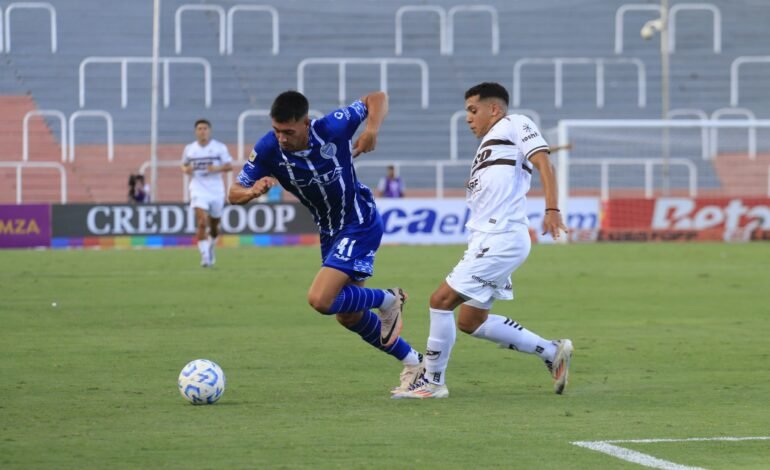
(734, 71)
(185, 177)
(169, 164)
(648, 163)
(342, 63)
(447, 25)
(29, 5)
(494, 27)
(620, 13)
(178, 24)
(717, 20)
(699, 114)
(55, 165)
(257, 8)
(440, 11)
(454, 124)
(748, 115)
(240, 156)
(62, 136)
(558, 63)
(768, 181)
(566, 126)
(165, 61)
(91, 113)
(716, 14)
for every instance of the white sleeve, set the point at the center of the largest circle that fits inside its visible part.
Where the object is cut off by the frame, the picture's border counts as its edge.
(185, 160)
(527, 136)
(381, 185)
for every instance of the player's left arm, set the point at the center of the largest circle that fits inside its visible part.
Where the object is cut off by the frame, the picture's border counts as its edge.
(377, 105)
(225, 166)
(552, 221)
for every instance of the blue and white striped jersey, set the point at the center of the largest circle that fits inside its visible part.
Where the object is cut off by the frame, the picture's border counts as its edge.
(321, 177)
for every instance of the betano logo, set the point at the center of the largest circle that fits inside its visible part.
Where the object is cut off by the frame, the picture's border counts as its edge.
(19, 227)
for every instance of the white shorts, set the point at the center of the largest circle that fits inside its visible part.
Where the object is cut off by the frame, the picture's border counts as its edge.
(484, 273)
(214, 204)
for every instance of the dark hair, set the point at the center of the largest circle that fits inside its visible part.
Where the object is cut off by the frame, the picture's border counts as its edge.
(488, 90)
(289, 106)
(201, 121)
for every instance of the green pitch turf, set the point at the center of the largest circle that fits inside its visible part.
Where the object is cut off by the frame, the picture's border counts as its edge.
(671, 342)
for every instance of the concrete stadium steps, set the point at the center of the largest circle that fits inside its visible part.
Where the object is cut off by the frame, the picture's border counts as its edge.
(741, 176)
(251, 76)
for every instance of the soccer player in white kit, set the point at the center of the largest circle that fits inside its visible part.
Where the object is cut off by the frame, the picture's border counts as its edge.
(205, 160)
(511, 145)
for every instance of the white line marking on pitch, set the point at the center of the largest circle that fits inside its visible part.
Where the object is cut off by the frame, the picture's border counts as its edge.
(647, 460)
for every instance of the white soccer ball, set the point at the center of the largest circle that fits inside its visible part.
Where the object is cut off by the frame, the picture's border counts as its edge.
(202, 382)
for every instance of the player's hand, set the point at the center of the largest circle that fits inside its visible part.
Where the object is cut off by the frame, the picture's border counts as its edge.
(263, 185)
(187, 169)
(366, 142)
(553, 224)
(212, 169)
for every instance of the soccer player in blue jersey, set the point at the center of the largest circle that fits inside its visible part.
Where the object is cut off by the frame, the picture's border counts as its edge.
(313, 160)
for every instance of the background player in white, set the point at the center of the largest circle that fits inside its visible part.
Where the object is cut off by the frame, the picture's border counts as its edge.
(498, 244)
(205, 160)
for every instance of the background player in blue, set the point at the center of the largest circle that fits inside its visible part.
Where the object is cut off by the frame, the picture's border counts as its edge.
(314, 161)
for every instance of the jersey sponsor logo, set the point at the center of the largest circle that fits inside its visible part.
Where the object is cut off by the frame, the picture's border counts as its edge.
(329, 150)
(324, 179)
(338, 114)
(359, 108)
(484, 282)
(531, 133)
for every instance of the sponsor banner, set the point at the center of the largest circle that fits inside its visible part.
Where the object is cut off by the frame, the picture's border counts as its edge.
(169, 220)
(163, 241)
(730, 219)
(442, 221)
(25, 226)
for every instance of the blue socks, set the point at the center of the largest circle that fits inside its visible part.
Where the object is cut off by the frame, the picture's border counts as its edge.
(369, 330)
(355, 299)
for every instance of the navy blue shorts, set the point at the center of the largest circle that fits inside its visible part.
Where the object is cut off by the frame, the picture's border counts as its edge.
(353, 249)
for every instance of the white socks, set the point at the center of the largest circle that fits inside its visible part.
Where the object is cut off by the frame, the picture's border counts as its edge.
(203, 247)
(510, 334)
(411, 359)
(440, 342)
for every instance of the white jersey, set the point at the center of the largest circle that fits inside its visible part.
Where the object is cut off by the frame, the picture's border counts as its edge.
(203, 182)
(501, 174)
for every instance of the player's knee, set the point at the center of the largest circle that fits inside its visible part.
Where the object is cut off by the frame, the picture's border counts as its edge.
(319, 304)
(441, 301)
(468, 325)
(347, 320)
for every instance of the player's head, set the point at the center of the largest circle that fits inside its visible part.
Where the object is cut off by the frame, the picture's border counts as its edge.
(290, 120)
(485, 104)
(391, 171)
(203, 131)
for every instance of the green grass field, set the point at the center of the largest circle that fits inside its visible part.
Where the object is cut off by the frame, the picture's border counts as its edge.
(671, 342)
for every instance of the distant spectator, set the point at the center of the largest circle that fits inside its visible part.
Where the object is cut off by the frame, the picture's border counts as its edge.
(138, 190)
(390, 185)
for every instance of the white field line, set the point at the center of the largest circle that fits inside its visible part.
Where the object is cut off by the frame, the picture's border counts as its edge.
(647, 460)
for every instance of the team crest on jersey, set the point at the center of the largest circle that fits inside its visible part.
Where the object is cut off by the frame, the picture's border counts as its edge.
(253, 155)
(329, 150)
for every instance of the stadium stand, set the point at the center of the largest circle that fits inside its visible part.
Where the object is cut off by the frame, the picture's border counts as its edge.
(268, 44)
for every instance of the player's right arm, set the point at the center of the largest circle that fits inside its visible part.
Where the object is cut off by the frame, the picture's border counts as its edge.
(254, 180)
(241, 195)
(187, 167)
